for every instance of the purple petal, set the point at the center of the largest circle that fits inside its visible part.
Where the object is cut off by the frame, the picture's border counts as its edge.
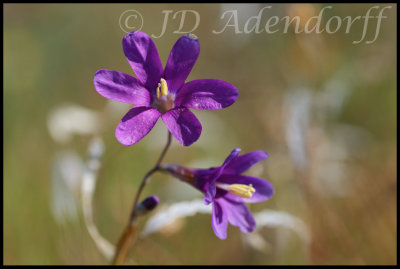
(210, 193)
(142, 55)
(181, 61)
(183, 125)
(121, 87)
(137, 123)
(207, 94)
(244, 162)
(219, 221)
(212, 188)
(264, 189)
(231, 157)
(238, 215)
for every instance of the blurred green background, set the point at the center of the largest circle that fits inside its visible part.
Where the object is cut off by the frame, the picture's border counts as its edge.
(322, 107)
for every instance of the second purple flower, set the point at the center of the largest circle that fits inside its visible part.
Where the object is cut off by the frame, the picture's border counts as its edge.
(158, 92)
(228, 190)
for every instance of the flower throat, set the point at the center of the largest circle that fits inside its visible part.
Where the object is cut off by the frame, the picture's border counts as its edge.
(164, 100)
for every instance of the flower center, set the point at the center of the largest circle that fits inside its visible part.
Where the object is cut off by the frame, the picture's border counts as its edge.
(242, 190)
(164, 100)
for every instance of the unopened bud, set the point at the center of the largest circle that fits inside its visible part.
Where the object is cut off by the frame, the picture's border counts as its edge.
(147, 205)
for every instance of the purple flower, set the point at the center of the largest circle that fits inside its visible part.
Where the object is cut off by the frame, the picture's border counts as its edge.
(158, 92)
(228, 190)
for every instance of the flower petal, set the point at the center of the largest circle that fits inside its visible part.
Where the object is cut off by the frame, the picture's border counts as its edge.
(264, 189)
(212, 188)
(244, 162)
(142, 55)
(183, 125)
(137, 123)
(238, 215)
(219, 221)
(231, 157)
(121, 87)
(210, 193)
(207, 94)
(181, 61)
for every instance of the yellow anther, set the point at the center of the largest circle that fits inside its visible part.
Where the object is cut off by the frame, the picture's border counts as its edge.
(162, 88)
(245, 191)
(158, 91)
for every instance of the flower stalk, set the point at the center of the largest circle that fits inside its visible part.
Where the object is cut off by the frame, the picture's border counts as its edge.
(125, 242)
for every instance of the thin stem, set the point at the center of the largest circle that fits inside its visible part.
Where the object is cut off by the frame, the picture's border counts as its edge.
(125, 242)
(147, 177)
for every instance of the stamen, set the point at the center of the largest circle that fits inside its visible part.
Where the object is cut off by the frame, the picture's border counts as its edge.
(245, 191)
(162, 89)
(158, 91)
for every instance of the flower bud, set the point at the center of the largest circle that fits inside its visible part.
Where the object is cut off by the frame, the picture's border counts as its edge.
(147, 205)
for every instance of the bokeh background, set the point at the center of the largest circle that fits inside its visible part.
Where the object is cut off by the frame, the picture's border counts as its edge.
(322, 107)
